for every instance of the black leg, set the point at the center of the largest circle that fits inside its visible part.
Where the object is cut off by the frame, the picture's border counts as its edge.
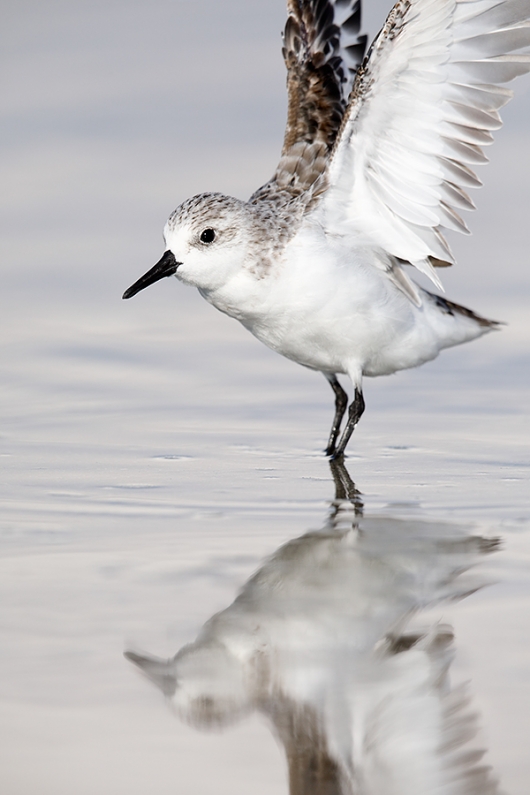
(345, 488)
(341, 401)
(355, 413)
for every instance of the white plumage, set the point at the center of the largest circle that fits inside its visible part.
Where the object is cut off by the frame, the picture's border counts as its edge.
(422, 108)
(314, 264)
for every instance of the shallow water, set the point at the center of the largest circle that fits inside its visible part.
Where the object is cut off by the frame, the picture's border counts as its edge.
(155, 456)
(150, 467)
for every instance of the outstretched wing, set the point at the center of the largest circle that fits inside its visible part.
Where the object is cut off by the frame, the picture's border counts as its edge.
(323, 50)
(422, 106)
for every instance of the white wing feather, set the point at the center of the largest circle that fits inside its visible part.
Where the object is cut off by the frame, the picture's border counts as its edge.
(422, 106)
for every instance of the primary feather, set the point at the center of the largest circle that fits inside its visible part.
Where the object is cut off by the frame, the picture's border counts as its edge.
(423, 105)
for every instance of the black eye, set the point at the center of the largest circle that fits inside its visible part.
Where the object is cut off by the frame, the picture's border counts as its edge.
(207, 235)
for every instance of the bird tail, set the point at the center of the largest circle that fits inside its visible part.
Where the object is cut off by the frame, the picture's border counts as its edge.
(458, 323)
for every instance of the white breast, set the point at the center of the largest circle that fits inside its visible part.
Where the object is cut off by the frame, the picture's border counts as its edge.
(326, 304)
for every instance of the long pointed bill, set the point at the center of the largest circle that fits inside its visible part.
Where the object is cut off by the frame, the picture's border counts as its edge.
(167, 266)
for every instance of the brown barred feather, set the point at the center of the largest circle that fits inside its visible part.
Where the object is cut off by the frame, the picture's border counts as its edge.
(322, 49)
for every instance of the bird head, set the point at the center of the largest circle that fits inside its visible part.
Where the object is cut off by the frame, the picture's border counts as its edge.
(207, 243)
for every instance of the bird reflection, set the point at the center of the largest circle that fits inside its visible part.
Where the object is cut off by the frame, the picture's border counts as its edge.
(326, 640)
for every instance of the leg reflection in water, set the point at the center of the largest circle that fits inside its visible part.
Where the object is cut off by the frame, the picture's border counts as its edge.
(326, 641)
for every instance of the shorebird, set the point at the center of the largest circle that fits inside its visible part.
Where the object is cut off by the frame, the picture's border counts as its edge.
(378, 154)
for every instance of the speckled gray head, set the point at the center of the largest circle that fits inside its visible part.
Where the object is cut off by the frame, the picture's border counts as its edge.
(209, 238)
(212, 237)
(203, 209)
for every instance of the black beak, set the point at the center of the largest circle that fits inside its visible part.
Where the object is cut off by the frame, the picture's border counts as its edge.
(167, 266)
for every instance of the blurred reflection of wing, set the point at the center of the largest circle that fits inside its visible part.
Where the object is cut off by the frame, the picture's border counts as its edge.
(317, 641)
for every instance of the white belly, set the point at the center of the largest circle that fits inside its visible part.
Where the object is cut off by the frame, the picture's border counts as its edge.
(331, 312)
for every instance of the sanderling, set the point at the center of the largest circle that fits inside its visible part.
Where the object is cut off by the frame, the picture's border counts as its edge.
(377, 157)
